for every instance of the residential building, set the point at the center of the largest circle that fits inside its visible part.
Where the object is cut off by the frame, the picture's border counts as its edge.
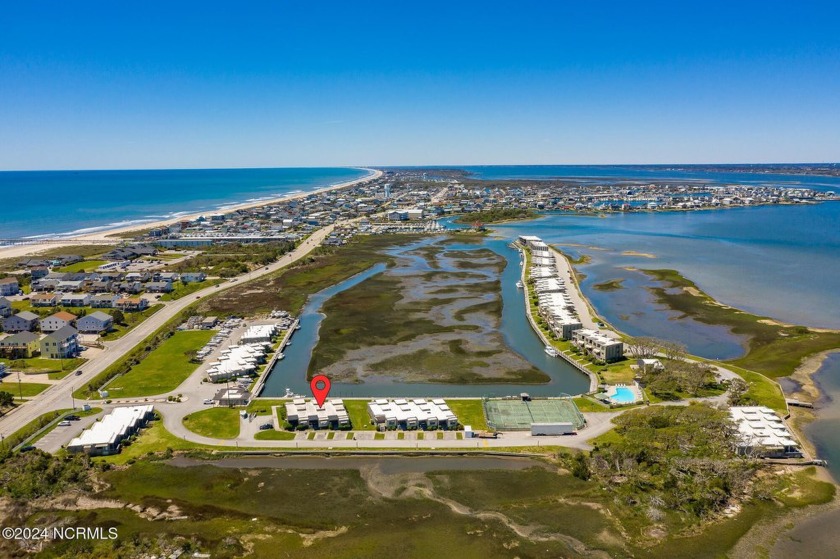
(159, 286)
(104, 300)
(411, 414)
(105, 436)
(190, 277)
(24, 321)
(22, 345)
(45, 299)
(61, 344)
(301, 411)
(131, 304)
(57, 321)
(9, 286)
(597, 344)
(75, 300)
(5, 307)
(762, 433)
(95, 323)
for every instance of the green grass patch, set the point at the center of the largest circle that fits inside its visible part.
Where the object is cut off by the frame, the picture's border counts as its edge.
(611, 285)
(273, 435)
(586, 404)
(83, 266)
(261, 406)
(184, 289)
(162, 370)
(218, 423)
(469, 412)
(36, 365)
(24, 389)
(132, 319)
(379, 436)
(359, 417)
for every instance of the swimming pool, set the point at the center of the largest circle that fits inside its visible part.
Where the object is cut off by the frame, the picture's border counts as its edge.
(623, 395)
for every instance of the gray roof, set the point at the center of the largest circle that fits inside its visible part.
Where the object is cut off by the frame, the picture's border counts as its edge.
(63, 333)
(21, 338)
(27, 315)
(5, 302)
(99, 315)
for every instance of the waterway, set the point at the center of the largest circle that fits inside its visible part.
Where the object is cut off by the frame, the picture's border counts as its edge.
(518, 335)
(825, 430)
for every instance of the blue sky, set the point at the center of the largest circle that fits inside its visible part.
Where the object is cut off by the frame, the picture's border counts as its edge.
(97, 85)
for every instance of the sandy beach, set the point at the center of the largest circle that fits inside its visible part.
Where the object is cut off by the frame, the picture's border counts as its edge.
(18, 251)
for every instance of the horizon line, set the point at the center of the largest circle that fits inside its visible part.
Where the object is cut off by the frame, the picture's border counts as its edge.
(424, 166)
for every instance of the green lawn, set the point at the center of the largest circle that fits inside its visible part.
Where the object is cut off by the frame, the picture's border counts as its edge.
(359, 418)
(585, 404)
(28, 389)
(272, 435)
(469, 412)
(84, 266)
(163, 369)
(59, 367)
(132, 319)
(261, 406)
(184, 289)
(219, 423)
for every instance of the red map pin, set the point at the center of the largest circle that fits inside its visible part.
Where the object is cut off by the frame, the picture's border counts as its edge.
(320, 386)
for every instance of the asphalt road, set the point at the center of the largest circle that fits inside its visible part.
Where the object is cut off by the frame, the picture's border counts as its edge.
(59, 395)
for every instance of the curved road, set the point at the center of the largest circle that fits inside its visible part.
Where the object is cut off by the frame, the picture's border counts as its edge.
(59, 395)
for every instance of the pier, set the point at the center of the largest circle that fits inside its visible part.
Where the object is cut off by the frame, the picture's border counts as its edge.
(260, 384)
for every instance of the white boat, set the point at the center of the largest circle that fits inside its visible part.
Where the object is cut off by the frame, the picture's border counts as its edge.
(551, 351)
(519, 284)
(280, 356)
(298, 326)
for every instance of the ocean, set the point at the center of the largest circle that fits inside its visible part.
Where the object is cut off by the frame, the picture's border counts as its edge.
(49, 203)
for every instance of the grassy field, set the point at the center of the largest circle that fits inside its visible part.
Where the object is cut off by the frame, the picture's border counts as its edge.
(359, 418)
(163, 369)
(261, 406)
(83, 266)
(316, 513)
(585, 404)
(290, 287)
(28, 389)
(272, 435)
(762, 389)
(773, 349)
(218, 423)
(36, 365)
(469, 412)
(184, 289)
(132, 319)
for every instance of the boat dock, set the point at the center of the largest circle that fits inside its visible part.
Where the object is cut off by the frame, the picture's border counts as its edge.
(260, 384)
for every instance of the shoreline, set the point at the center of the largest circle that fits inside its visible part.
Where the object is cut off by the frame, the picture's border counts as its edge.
(44, 243)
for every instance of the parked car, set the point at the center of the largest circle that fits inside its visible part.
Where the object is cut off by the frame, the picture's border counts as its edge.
(64, 423)
(78, 373)
(27, 448)
(266, 426)
(72, 418)
(208, 402)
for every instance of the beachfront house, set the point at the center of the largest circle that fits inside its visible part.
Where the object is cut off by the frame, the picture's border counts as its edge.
(95, 323)
(159, 287)
(61, 344)
(22, 345)
(57, 321)
(21, 322)
(9, 286)
(46, 299)
(104, 300)
(190, 277)
(75, 299)
(5, 307)
(131, 304)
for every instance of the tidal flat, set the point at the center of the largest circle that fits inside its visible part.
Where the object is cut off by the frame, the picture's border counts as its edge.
(424, 319)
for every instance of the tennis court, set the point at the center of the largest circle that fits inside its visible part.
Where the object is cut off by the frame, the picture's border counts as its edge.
(517, 415)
